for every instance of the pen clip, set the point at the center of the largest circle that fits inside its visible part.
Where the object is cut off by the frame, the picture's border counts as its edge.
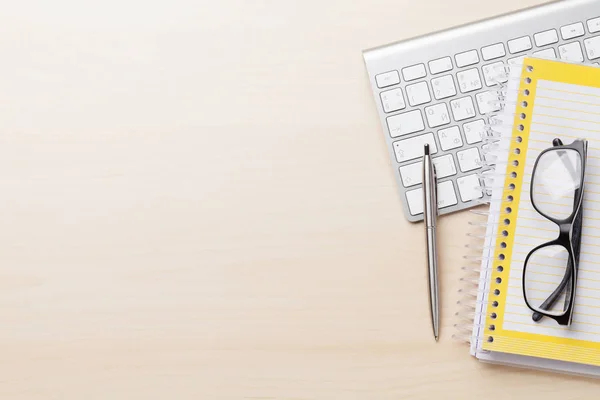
(435, 191)
(430, 187)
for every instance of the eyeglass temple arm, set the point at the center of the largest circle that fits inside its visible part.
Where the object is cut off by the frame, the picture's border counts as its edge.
(576, 240)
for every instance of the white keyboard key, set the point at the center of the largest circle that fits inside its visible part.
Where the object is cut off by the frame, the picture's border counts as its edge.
(437, 115)
(571, 52)
(462, 108)
(392, 100)
(474, 131)
(469, 80)
(404, 124)
(469, 159)
(572, 31)
(443, 87)
(418, 94)
(548, 53)
(488, 180)
(446, 196)
(440, 65)
(414, 199)
(469, 188)
(493, 74)
(592, 47)
(387, 79)
(467, 58)
(516, 60)
(412, 174)
(450, 138)
(519, 45)
(545, 38)
(444, 166)
(594, 25)
(493, 51)
(409, 149)
(488, 102)
(489, 158)
(414, 72)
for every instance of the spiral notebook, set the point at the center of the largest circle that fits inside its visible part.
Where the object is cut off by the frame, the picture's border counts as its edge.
(541, 100)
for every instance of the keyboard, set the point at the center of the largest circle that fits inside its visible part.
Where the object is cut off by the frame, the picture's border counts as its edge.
(437, 89)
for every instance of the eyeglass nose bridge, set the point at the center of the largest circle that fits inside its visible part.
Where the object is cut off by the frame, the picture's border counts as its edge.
(564, 238)
(565, 232)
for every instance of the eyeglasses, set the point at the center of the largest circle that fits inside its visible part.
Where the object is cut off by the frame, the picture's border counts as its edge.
(550, 269)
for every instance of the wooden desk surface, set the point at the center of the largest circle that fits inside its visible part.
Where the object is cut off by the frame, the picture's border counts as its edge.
(197, 203)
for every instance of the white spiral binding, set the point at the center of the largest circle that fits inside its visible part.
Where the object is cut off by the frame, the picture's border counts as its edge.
(471, 299)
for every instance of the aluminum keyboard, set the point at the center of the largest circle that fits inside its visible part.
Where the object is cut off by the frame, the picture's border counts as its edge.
(437, 89)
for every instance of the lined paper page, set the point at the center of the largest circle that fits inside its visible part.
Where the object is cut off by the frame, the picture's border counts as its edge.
(568, 112)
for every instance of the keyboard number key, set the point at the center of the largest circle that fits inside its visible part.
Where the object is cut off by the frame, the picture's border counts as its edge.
(547, 53)
(443, 87)
(469, 160)
(404, 124)
(437, 115)
(392, 100)
(409, 149)
(469, 188)
(474, 131)
(469, 80)
(462, 108)
(387, 79)
(494, 74)
(450, 138)
(592, 47)
(545, 38)
(418, 94)
(572, 31)
(571, 52)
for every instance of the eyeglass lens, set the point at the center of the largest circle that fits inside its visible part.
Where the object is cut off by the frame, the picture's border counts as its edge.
(547, 276)
(556, 178)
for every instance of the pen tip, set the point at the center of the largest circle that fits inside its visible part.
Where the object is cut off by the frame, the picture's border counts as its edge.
(436, 338)
(426, 149)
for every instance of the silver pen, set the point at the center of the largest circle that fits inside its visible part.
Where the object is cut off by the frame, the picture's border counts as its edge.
(430, 215)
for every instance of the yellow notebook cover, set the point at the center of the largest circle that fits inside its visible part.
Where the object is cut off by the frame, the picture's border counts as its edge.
(556, 100)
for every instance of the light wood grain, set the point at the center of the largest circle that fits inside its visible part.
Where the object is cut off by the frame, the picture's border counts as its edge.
(197, 203)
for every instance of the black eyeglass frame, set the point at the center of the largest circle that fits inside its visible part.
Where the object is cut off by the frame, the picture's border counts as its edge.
(569, 238)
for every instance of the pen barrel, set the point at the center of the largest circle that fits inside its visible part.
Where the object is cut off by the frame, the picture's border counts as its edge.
(433, 281)
(430, 210)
